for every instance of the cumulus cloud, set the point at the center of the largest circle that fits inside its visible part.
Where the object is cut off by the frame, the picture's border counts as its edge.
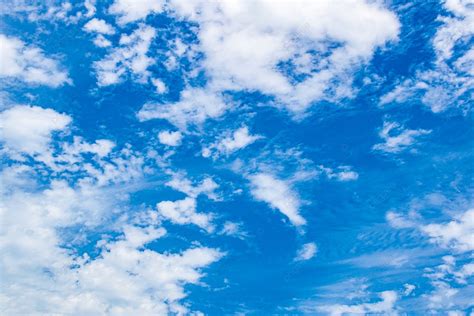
(180, 183)
(99, 26)
(278, 194)
(184, 212)
(306, 252)
(170, 138)
(196, 106)
(28, 63)
(396, 138)
(458, 234)
(245, 42)
(130, 57)
(240, 138)
(28, 129)
(47, 220)
(133, 10)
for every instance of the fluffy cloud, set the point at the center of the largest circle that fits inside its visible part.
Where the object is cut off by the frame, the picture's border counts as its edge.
(385, 306)
(45, 224)
(29, 64)
(246, 42)
(184, 212)
(28, 129)
(306, 252)
(397, 139)
(133, 10)
(130, 57)
(458, 234)
(240, 138)
(195, 106)
(99, 26)
(170, 138)
(278, 194)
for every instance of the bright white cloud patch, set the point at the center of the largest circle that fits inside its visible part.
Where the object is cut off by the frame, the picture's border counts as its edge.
(195, 106)
(306, 252)
(40, 221)
(170, 138)
(99, 26)
(28, 129)
(29, 64)
(238, 139)
(278, 194)
(130, 57)
(458, 234)
(133, 10)
(384, 307)
(396, 138)
(245, 41)
(184, 212)
(450, 81)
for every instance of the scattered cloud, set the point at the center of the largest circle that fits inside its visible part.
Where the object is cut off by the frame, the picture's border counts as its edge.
(131, 11)
(184, 212)
(130, 57)
(230, 143)
(170, 138)
(458, 234)
(246, 42)
(194, 108)
(99, 26)
(385, 306)
(28, 129)
(278, 194)
(306, 252)
(396, 138)
(28, 64)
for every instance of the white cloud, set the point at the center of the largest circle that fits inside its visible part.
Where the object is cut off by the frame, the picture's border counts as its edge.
(244, 42)
(450, 81)
(28, 129)
(44, 224)
(233, 229)
(28, 64)
(396, 138)
(458, 234)
(129, 58)
(306, 252)
(101, 41)
(133, 10)
(385, 306)
(409, 288)
(99, 26)
(278, 194)
(159, 85)
(399, 221)
(343, 173)
(180, 183)
(170, 138)
(184, 212)
(240, 138)
(195, 106)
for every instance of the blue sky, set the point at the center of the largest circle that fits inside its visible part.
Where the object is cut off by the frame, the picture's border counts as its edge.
(236, 157)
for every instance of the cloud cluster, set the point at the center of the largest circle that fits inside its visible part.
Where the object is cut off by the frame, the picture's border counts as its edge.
(29, 64)
(130, 57)
(55, 205)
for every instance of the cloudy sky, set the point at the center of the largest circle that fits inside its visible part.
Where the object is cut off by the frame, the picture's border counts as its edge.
(250, 157)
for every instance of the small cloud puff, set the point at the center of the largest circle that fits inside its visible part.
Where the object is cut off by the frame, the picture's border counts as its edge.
(170, 138)
(306, 252)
